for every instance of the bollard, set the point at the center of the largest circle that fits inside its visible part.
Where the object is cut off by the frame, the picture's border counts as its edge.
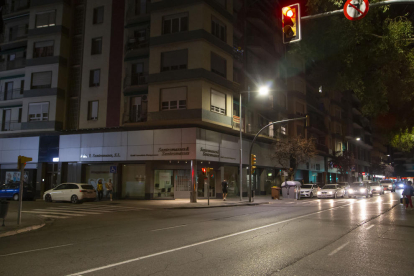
(4, 208)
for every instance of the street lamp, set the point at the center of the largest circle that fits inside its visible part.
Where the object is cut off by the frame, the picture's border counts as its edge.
(358, 138)
(263, 90)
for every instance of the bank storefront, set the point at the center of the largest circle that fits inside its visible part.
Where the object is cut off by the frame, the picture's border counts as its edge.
(147, 164)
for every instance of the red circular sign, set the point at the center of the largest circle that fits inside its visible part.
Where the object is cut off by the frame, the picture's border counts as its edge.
(356, 9)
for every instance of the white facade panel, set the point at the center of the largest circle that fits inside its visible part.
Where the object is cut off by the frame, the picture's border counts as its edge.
(114, 153)
(213, 138)
(10, 156)
(91, 154)
(11, 143)
(188, 135)
(140, 153)
(70, 141)
(92, 140)
(112, 139)
(69, 155)
(30, 143)
(34, 154)
(171, 152)
(141, 138)
(167, 136)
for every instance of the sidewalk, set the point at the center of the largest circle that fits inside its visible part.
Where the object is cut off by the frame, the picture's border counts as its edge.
(29, 222)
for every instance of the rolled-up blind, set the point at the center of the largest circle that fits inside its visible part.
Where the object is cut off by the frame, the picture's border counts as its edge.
(174, 94)
(42, 78)
(218, 99)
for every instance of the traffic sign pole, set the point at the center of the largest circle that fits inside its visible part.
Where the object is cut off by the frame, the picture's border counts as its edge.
(19, 214)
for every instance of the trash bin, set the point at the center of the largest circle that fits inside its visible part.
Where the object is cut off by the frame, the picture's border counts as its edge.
(275, 192)
(291, 189)
(4, 208)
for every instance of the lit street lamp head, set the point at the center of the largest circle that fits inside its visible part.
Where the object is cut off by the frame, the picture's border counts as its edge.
(358, 138)
(264, 90)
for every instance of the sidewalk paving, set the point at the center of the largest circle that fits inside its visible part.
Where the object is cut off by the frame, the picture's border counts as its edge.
(29, 222)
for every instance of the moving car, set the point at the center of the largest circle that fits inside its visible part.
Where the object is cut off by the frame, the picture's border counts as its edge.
(73, 192)
(11, 191)
(388, 185)
(359, 189)
(308, 190)
(399, 185)
(331, 190)
(376, 188)
(344, 185)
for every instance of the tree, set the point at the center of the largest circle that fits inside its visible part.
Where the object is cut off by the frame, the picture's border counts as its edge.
(374, 57)
(344, 162)
(297, 150)
(388, 171)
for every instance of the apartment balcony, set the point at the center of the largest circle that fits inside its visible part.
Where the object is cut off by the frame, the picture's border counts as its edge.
(261, 47)
(137, 12)
(11, 126)
(322, 148)
(135, 116)
(136, 47)
(11, 94)
(13, 6)
(12, 64)
(261, 20)
(135, 80)
(356, 120)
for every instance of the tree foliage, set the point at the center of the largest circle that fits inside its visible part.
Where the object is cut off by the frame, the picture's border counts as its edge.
(374, 57)
(344, 162)
(297, 150)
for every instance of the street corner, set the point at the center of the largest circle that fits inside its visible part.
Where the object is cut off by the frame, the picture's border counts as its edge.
(29, 223)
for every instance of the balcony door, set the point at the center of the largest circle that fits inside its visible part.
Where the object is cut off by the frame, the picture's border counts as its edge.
(138, 109)
(8, 89)
(6, 120)
(137, 74)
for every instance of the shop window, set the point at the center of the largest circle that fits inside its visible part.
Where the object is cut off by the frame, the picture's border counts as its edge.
(96, 173)
(94, 77)
(175, 23)
(46, 19)
(43, 49)
(38, 112)
(218, 28)
(41, 80)
(98, 15)
(163, 184)
(174, 60)
(96, 46)
(133, 181)
(218, 102)
(174, 98)
(218, 65)
(93, 107)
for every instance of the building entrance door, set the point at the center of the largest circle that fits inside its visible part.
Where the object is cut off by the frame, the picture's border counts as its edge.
(182, 184)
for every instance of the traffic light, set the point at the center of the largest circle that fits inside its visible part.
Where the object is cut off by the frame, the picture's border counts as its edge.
(291, 23)
(204, 170)
(307, 121)
(22, 160)
(253, 161)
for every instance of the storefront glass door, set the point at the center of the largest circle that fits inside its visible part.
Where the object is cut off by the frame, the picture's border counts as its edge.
(164, 184)
(182, 183)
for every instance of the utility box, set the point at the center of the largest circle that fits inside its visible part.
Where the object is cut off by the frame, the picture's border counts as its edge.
(275, 192)
(291, 189)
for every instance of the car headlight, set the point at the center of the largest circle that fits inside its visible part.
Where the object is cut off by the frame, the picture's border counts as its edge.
(330, 193)
(401, 185)
(319, 193)
(362, 190)
(350, 191)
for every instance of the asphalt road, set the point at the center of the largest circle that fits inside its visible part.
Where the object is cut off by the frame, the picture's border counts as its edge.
(360, 236)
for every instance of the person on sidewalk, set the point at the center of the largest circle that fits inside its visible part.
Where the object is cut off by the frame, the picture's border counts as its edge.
(109, 187)
(100, 190)
(407, 193)
(224, 186)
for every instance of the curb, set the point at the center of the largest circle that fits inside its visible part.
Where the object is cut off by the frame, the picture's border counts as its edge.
(26, 229)
(219, 206)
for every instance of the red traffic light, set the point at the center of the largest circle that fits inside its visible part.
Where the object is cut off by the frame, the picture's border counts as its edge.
(203, 170)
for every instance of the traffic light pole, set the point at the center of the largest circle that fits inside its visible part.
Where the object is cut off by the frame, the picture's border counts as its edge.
(19, 214)
(251, 148)
(384, 3)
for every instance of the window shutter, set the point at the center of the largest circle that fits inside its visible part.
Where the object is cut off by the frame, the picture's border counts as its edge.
(96, 76)
(174, 94)
(41, 78)
(218, 99)
(95, 109)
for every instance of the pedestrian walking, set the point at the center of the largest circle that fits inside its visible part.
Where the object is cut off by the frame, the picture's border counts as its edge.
(407, 193)
(224, 186)
(109, 187)
(100, 190)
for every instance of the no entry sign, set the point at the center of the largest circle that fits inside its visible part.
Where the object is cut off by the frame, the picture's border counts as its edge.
(356, 9)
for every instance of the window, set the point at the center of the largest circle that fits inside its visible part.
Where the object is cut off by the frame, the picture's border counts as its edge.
(96, 46)
(94, 77)
(218, 28)
(46, 19)
(41, 80)
(218, 65)
(140, 35)
(338, 129)
(339, 146)
(318, 167)
(218, 102)
(300, 108)
(175, 23)
(140, 6)
(93, 110)
(6, 120)
(43, 49)
(174, 60)
(174, 98)
(98, 15)
(21, 87)
(38, 112)
(20, 115)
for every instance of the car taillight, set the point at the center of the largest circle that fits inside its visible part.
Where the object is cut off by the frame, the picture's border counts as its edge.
(83, 191)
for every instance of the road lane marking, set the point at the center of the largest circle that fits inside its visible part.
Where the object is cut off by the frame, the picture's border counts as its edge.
(198, 243)
(338, 249)
(51, 216)
(370, 227)
(52, 213)
(169, 228)
(70, 211)
(36, 250)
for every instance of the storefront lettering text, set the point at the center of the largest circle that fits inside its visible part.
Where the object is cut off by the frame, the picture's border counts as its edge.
(174, 151)
(211, 153)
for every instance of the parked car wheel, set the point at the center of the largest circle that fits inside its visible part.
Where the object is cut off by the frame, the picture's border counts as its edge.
(16, 197)
(74, 199)
(48, 198)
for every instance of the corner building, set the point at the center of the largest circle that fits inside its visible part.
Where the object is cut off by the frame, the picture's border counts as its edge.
(142, 93)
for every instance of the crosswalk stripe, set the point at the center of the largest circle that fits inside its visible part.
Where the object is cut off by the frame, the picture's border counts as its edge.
(51, 216)
(53, 213)
(71, 211)
(99, 208)
(80, 209)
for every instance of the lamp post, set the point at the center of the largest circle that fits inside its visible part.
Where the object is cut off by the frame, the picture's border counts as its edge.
(264, 90)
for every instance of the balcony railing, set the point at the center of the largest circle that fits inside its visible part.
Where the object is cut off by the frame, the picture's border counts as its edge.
(11, 94)
(136, 116)
(14, 33)
(11, 126)
(135, 44)
(136, 8)
(136, 79)
(15, 6)
(322, 147)
(12, 64)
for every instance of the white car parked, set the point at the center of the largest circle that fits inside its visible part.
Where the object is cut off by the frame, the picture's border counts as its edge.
(308, 190)
(73, 192)
(331, 190)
